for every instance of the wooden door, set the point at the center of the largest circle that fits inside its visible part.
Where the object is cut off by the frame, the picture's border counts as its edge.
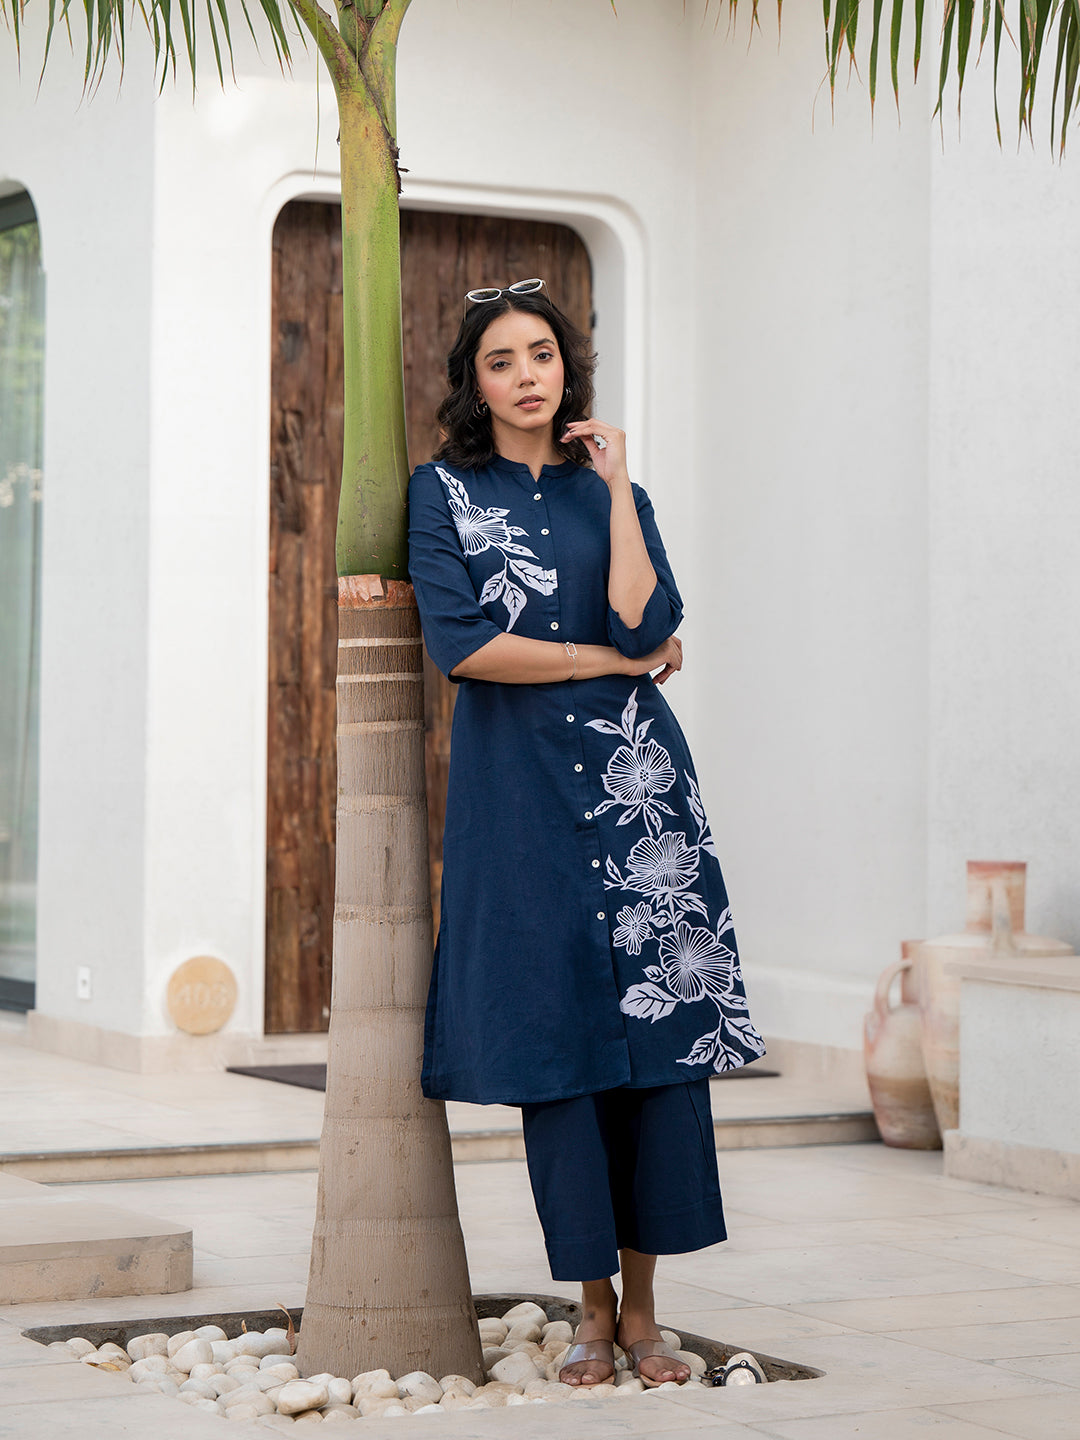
(442, 256)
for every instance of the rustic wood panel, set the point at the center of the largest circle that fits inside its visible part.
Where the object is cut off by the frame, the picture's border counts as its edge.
(443, 255)
(305, 476)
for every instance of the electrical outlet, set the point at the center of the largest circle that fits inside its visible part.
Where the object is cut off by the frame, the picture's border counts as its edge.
(82, 982)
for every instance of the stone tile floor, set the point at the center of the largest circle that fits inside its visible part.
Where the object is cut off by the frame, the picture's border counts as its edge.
(936, 1307)
(52, 1103)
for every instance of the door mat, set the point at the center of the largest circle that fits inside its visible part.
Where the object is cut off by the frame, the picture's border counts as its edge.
(313, 1077)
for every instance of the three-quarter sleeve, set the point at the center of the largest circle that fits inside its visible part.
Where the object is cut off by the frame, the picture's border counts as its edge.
(663, 610)
(453, 623)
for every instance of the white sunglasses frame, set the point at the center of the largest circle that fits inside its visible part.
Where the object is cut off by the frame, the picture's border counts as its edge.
(490, 292)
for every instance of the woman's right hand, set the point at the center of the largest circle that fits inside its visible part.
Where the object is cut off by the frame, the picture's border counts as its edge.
(668, 656)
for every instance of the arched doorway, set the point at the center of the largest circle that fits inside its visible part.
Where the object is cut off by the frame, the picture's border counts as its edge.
(443, 255)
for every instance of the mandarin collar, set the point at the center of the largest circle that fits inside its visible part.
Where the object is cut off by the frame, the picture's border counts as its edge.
(520, 471)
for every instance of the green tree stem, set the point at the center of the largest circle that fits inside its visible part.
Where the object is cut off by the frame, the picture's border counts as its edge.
(371, 535)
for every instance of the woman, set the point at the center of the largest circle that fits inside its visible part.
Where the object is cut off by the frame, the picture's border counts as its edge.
(586, 968)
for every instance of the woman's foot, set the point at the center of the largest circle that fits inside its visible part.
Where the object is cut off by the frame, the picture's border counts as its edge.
(652, 1358)
(591, 1358)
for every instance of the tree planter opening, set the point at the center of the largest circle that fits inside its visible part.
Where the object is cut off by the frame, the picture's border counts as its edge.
(254, 1381)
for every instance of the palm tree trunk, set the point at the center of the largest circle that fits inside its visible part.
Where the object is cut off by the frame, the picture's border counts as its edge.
(389, 1285)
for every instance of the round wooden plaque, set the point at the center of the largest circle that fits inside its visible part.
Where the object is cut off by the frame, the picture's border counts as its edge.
(201, 995)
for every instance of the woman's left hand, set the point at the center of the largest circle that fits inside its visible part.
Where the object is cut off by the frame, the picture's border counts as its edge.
(609, 460)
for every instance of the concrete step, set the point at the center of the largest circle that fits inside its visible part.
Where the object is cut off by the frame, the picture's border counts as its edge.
(53, 1247)
(498, 1142)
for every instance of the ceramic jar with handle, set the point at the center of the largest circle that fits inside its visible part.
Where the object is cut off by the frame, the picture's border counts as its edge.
(895, 1071)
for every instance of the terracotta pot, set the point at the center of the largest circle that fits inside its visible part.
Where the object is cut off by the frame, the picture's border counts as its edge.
(895, 1072)
(994, 931)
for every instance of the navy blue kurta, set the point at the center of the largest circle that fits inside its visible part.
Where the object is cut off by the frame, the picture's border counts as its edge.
(585, 940)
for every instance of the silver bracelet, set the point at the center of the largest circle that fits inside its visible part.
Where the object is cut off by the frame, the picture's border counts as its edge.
(571, 650)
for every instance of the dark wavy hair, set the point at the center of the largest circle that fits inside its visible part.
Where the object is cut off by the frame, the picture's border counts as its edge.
(467, 438)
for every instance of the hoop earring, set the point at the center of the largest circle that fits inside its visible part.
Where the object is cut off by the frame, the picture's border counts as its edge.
(480, 408)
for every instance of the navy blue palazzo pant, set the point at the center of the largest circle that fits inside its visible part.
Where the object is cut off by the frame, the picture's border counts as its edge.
(626, 1168)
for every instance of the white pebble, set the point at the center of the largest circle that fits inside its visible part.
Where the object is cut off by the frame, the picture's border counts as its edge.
(527, 1310)
(376, 1384)
(274, 1359)
(279, 1422)
(252, 1343)
(204, 1370)
(310, 1415)
(178, 1341)
(393, 1409)
(161, 1384)
(239, 1396)
(369, 1405)
(457, 1385)
(198, 1387)
(493, 1354)
(243, 1412)
(152, 1365)
(195, 1352)
(224, 1351)
(223, 1384)
(523, 1330)
(493, 1330)
(299, 1395)
(90, 1357)
(79, 1345)
(429, 1410)
(562, 1328)
(696, 1362)
(339, 1390)
(670, 1338)
(143, 1345)
(243, 1364)
(210, 1332)
(516, 1369)
(422, 1385)
(284, 1370)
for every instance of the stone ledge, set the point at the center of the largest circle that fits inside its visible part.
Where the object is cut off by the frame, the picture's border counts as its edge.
(55, 1248)
(1037, 972)
(1019, 1167)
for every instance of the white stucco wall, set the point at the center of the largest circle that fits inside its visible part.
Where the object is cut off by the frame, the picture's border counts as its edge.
(809, 378)
(1004, 466)
(89, 171)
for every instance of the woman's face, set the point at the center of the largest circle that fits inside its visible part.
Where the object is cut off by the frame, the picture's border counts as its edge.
(519, 372)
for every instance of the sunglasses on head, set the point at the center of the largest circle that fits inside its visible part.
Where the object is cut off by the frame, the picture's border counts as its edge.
(491, 292)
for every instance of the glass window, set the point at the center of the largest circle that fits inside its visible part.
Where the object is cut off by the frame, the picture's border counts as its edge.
(22, 351)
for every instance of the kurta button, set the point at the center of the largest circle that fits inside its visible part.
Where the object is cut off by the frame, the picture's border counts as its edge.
(579, 767)
(600, 915)
(588, 814)
(554, 624)
(538, 496)
(570, 719)
(545, 532)
(596, 864)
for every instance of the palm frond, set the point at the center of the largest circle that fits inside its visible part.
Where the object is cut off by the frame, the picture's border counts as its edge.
(174, 27)
(1042, 28)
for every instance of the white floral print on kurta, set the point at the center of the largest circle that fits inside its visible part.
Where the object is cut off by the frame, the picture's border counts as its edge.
(480, 530)
(693, 961)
